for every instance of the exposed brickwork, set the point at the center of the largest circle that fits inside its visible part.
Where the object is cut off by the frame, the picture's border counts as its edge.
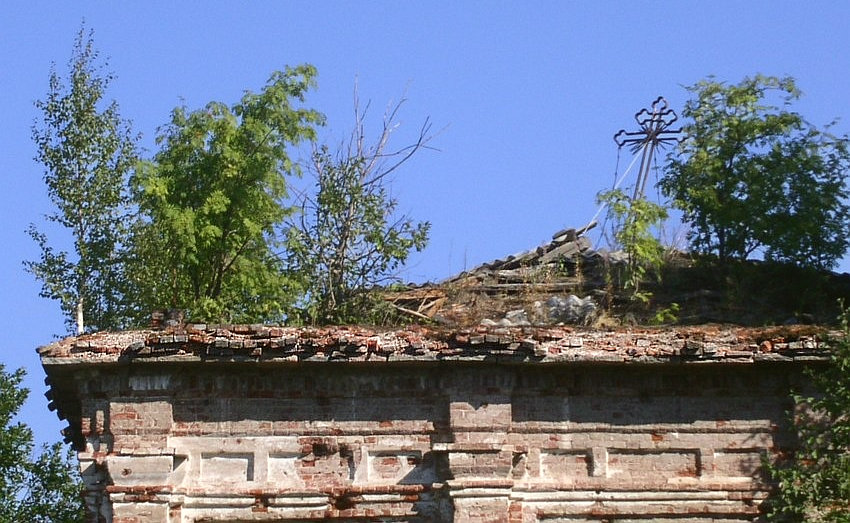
(201, 342)
(419, 426)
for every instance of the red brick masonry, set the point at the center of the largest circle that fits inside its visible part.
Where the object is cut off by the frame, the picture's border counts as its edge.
(236, 423)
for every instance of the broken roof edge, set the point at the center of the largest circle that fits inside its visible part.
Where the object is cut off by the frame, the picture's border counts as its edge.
(565, 242)
(260, 343)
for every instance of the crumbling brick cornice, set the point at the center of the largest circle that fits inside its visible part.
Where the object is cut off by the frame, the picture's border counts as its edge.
(261, 343)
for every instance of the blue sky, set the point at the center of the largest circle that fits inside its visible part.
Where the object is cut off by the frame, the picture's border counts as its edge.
(526, 96)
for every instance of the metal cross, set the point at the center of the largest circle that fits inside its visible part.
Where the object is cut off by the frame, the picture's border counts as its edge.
(654, 131)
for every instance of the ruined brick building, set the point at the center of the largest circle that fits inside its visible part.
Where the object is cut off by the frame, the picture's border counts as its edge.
(508, 420)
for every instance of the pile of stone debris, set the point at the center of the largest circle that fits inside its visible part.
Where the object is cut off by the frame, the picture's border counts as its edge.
(560, 283)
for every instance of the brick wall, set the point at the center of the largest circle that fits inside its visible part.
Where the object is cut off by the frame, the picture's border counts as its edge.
(472, 441)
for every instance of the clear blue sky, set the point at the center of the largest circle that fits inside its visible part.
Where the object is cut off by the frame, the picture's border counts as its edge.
(528, 94)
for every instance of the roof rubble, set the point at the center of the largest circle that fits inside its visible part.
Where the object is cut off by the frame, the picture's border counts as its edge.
(568, 282)
(557, 283)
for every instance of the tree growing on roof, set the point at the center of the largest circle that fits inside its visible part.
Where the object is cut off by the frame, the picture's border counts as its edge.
(751, 176)
(212, 201)
(87, 151)
(632, 221)
(347, 237)
(43, 488)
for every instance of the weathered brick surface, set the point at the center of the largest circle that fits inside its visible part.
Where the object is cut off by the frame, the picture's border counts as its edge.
(180, 439)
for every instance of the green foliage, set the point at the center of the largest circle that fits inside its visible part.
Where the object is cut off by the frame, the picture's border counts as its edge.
(87, 151)
(348, 238)
(815, 484)
(41, 490)
(666, 315)
(212, 201)
(751, 176)
(633, 221)
(210, 233)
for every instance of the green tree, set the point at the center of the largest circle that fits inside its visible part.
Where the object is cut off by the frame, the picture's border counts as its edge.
(348, 237)
(815, 484)
(87, 151)
(751, 176)
(43, 489)
(211, 202)
(633, 221)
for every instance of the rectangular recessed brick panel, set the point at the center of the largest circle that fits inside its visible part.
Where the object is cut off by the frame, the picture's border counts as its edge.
(227, 468)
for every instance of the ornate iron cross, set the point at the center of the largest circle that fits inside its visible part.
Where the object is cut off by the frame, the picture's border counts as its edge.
(655, 130)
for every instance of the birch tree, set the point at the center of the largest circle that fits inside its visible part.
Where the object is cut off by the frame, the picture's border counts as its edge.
(87, 151)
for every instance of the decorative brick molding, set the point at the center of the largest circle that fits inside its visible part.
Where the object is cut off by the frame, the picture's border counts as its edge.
(252, 423)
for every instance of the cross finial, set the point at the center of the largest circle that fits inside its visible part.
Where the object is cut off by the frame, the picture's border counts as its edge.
(655, 130)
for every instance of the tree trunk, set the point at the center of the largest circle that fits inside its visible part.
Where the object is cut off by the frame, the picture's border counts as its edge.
(81, 328)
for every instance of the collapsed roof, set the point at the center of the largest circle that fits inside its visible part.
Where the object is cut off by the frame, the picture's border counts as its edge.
(568, 282)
